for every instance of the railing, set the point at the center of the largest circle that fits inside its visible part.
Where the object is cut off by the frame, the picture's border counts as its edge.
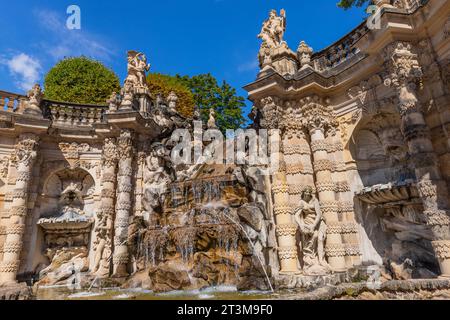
(11, 101)
(346, 48)
(72, 114)
(413, 5)
(340, 51)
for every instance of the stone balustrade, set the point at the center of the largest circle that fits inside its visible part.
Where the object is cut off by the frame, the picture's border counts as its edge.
(11, 101)
(339, 52)
(72, 114)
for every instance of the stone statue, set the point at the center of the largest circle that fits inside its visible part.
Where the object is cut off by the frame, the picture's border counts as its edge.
(312, 232)
(102, 244)
(156, 180)
(172, 100)
(212, 119)
(264, 56)
(273, 29)
(113, 102)
(35, 96)
(196, 115)
(304, 53)
(137, 66)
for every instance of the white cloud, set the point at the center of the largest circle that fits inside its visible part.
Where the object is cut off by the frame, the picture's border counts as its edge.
(25, 69)
(62, 42)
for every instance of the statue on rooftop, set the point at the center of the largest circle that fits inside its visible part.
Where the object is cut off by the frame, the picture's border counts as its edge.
(137, 66)
(273, 29)
(212, 119)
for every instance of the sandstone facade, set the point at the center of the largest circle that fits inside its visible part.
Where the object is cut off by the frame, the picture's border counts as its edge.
(363, 180)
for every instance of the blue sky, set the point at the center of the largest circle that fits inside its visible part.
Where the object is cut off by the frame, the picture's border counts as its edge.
(178, 36)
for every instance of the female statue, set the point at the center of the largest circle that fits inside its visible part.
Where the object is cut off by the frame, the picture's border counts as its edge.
(312, 233)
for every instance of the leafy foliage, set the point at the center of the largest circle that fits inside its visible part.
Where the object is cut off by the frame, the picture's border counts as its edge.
(80, 80)
(222, 98)
(347, 4)
(164, 84)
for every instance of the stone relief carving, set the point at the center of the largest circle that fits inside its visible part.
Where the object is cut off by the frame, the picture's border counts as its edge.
(405, 74)
(156, 181)
(4, 164)
(313, 229)
(25, 149)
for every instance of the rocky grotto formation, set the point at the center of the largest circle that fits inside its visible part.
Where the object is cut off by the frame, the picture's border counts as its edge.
(92, 196)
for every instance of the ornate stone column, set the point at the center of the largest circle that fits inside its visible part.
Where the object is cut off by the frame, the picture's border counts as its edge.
(406, 77)
(317, 119)
(124, 202)
(104, 228)
(285, 227)
(348, 227)
(24, 156)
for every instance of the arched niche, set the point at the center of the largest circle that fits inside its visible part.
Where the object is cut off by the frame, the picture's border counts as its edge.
(380, 151)
(59, 181)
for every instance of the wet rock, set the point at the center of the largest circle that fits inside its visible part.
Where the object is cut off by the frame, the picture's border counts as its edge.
(205, 269)
(66, 263)
(252, 283)
(19, 291)
(167, 278)
(252, 215)
(256, 179)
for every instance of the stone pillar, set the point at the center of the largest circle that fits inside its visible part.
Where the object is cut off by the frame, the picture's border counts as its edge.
(286, 229)
(139, 187)
(104, 229)
(334, 249)
(348, 227)
(24, 157)
(124, 202)
(406, 77)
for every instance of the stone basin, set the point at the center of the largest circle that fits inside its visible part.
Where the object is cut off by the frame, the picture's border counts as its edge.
(66, 224)
(389, 193)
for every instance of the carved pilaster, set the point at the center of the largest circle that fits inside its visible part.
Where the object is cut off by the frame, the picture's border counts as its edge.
(23, 158)
(406, 77)
(124, 201)
(319, 121)
(105, 216)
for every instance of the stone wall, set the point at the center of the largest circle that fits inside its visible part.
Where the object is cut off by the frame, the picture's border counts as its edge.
(370, 114)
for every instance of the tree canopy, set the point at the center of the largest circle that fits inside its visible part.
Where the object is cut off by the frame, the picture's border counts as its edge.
(207, 92)
(163, 84)
(80, 80)
(346, 4)
(204, 92)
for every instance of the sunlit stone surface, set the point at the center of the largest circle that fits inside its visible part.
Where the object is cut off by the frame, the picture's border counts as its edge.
(89, 196)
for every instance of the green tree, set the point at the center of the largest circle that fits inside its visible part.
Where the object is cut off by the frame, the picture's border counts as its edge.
(347, 4)
(222, 98)
(80, 80)
(163, 84)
